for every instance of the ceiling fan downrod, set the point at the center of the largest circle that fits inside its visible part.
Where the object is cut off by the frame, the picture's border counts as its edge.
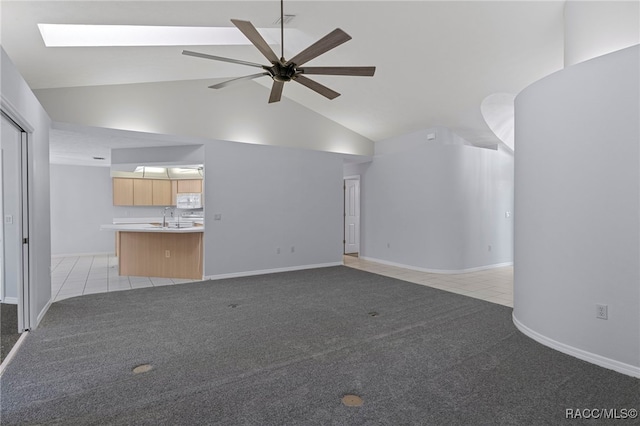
(282, 30)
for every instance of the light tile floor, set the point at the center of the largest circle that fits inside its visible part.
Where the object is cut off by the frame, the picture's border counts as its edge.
(493, 285)
(75, 276)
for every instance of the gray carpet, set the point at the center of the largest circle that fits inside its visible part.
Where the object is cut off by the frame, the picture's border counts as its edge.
(283, 349)
(8, 328)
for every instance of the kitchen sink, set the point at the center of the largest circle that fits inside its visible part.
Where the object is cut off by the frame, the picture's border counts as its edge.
(181, 224)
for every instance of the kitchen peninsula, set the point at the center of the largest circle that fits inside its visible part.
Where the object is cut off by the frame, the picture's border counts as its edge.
(153, 250)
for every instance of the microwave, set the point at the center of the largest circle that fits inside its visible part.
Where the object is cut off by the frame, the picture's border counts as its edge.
(189, 200)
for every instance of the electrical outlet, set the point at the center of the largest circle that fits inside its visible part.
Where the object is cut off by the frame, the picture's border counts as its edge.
(489, 247)
(602, 311)
(277, 250)
(293, 249)
(167, 253)
(388, 245)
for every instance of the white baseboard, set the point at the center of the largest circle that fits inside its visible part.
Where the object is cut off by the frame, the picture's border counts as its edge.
(102, 253)
(271, 271)
(10, 300)
(437, 271)
(611, 364)
(12, 353)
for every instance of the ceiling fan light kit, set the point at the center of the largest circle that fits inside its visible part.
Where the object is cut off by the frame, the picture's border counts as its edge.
(282, 70)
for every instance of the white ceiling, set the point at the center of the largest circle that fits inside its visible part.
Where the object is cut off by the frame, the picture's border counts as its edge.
(436, 61)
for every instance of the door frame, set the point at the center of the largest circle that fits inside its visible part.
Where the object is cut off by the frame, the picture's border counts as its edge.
(23, 220)
(1, 227)
(344, 211)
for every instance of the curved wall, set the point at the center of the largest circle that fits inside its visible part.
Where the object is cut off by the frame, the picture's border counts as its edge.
(437, 204)
(577, 196)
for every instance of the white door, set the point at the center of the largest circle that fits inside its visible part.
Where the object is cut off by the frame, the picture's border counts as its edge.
(351, 216)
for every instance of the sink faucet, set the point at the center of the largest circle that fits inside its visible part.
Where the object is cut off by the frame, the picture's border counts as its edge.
(164, 216)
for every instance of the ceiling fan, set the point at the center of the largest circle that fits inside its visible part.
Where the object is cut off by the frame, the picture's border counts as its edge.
(282, 70)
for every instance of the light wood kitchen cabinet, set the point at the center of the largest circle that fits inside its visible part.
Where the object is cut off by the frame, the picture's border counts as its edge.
(174, 192)
(142, 192)
(122, 192)
(161, 193)
(189, 185)
(151, 192)
(160, 254)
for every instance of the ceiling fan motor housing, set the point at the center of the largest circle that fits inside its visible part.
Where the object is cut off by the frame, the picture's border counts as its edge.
(280, 71)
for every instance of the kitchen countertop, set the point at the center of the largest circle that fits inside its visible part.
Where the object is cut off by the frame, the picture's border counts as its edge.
(148, 227)
(147, 220)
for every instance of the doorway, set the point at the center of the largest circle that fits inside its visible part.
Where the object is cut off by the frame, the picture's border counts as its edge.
(351, 215)
(14, 232)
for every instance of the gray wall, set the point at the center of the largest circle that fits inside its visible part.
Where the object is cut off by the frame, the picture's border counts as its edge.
(81, 201)
(437, 204)
(268, 197)
(354, 169)
(271, 197)
(166, 155)
(577, 229)
(22, 105)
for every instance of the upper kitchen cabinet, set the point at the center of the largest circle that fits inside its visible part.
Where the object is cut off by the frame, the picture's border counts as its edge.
(161, 193)
(122, 192)
(174, 192)
(142, 192)
(189, 185)
(151, 192)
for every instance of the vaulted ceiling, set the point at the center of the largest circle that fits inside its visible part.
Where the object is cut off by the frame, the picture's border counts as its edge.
(436, 60)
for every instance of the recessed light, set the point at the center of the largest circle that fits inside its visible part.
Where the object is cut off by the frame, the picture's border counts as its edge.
(78, 35)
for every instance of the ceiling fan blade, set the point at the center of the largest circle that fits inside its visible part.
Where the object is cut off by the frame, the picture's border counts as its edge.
(220, 58)
(276, 91)
(254, 37)
(326, 43)
(316, 87)
(356, 71)
(237, 80)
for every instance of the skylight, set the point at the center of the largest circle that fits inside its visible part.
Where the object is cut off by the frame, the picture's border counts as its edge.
(74, 35)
